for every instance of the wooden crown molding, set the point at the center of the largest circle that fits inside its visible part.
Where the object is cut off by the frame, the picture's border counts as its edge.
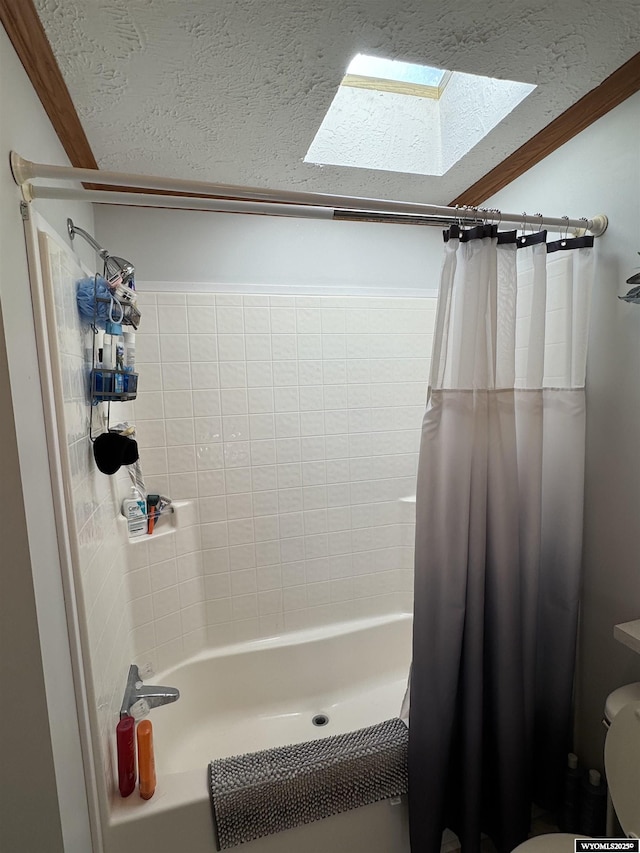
(609, 94)
(26, 33)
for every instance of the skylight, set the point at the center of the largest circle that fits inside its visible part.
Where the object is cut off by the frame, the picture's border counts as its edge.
(401, 117)
(392, 69)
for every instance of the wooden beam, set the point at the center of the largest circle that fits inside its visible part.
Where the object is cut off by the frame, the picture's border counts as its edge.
(609, 94)
(26, 33)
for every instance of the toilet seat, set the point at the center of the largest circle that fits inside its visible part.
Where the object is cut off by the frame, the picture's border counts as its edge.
(556, 842)
(622, 763)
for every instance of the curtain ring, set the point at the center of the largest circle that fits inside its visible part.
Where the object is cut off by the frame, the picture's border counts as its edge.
(540, 223)
(586, 223)
(566, 229)
(522, 239)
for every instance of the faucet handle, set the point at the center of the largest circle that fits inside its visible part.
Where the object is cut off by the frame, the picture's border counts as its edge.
(145, 670)
(139, 709)
(133, 679)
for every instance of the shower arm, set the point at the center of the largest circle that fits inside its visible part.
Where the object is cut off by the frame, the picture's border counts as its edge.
(113, 265)
(74, 229)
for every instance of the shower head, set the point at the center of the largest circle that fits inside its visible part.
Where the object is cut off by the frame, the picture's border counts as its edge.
(113, 265)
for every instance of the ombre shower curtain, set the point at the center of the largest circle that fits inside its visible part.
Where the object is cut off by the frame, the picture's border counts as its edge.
(498, 537)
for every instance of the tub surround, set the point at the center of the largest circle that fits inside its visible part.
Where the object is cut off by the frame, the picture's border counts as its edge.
(292, 424)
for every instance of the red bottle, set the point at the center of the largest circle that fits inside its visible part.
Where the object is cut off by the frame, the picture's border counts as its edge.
(126, 742)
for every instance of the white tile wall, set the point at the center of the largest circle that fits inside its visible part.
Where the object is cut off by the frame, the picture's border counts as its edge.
(292, 424)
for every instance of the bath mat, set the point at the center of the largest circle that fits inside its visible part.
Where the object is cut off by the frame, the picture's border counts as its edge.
(260, 793)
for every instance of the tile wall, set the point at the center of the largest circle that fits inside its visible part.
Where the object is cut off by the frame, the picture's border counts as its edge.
(291, 426)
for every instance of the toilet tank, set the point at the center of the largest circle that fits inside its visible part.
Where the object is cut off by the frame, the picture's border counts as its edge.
(618, 699)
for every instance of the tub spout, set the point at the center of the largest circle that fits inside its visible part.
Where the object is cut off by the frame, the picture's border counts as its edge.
(154, 695)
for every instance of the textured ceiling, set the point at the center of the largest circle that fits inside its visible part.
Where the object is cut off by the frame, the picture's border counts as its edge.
(234, 91)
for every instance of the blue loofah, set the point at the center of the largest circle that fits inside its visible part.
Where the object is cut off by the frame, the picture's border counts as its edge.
(90, 310)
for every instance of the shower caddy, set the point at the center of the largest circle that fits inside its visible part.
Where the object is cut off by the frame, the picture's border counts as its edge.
(101, 377)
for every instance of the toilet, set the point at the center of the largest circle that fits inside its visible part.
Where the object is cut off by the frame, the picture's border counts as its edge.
(622, 764)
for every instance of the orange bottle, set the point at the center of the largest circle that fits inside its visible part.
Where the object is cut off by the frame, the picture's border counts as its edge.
(146, 760)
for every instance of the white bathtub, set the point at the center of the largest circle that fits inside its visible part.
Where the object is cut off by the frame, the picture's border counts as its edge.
(258, 695)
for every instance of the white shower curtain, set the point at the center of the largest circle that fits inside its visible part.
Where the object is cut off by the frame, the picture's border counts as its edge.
(499, 532)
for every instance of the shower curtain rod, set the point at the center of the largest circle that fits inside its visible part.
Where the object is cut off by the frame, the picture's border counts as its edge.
(226, 198)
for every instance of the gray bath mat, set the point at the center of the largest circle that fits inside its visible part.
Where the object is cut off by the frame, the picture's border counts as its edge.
(260, 793)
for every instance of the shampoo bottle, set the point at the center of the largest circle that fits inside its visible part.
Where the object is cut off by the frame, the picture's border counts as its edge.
(98, 376)
(126, 744)
(118, 379)
(117, 356)
(107, 363)
(146, 760)
(129, 361)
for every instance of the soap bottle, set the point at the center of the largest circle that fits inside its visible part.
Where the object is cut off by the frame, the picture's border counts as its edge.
(134, 509)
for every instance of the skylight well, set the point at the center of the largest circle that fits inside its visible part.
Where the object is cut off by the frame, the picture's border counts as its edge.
(402, 117)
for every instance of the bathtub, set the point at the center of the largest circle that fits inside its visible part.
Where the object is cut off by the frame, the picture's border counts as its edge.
(258, 695)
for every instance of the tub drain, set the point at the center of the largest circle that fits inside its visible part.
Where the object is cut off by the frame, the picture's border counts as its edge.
(320, 720)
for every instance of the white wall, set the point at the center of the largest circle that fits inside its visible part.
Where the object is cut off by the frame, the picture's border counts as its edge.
(599, 172)
(34, 660)
(21, 664)
(280, 253)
